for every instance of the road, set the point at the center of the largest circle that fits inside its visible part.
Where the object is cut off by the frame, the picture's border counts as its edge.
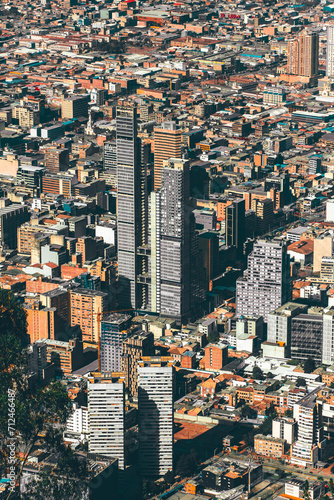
(274, 465)
(296, 471)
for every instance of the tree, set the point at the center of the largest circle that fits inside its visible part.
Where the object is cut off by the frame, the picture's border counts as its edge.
(169, 477)
(112, 47)
(266, 426)
(289, 413)
(183, 466)
(306, 492)
(186, 464)
(271, 411)
(309, 365)
(150, 488)
(300, 382)
(270, 375)
(213, 337)
(38, 409)
(248, 412)
(257, 373)
(331, 485)
(249, 438)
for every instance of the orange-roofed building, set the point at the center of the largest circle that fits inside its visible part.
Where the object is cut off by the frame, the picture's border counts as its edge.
(182, 410)
(176, 353)
(302, 251)
(297, 286)
(195, 412)
(40, 286)
(208, 388)
(69, 272)
(14, 283)
(229, 377)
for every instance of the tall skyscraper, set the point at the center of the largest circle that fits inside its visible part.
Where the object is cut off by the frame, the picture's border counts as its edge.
(330, 52)
(156, 415)
(266, 283)
(167, 144)
(235, 225)
(113, 333)
(131, 210)
(303, 55)
(177, 271)
(106, 415)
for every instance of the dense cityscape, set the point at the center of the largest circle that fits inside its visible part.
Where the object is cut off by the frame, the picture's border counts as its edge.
(166, 250)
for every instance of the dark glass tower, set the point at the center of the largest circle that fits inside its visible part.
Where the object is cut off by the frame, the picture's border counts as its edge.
(131, 210)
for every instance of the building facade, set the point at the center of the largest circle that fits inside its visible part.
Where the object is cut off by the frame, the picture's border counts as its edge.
(133, 349)
(156, 415)
(266, 283)
(113, 333)
(279, 324)
(106, 415)
(11, 218)
(167, 144)
(330, 52)
(177, 275)
(131, 210)
(235, 225)
(306, 336)
(86, 306)
(328, 337)
(303, 55)
(307, 413)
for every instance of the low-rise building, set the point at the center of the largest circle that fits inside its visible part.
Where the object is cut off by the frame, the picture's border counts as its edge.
(269, 446)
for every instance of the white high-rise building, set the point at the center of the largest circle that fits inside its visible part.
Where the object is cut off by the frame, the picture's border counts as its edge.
(106, 415)
(330, 210)
(156, 415)
(328, 337)
(266, 284)
(330, 52)
(279, 323)
(77, 423)
(307, 413)
(285, 428)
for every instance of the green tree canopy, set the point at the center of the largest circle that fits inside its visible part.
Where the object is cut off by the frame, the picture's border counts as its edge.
(38, 409)
(213, 337)
(257, 373)
(248, 412)
(300, 382)
(309, 365)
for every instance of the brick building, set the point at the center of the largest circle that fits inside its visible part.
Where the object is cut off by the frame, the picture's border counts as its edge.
(215, 357)
(85, 308)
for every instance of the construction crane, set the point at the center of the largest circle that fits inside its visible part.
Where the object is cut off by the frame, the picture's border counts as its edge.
(99, 316)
